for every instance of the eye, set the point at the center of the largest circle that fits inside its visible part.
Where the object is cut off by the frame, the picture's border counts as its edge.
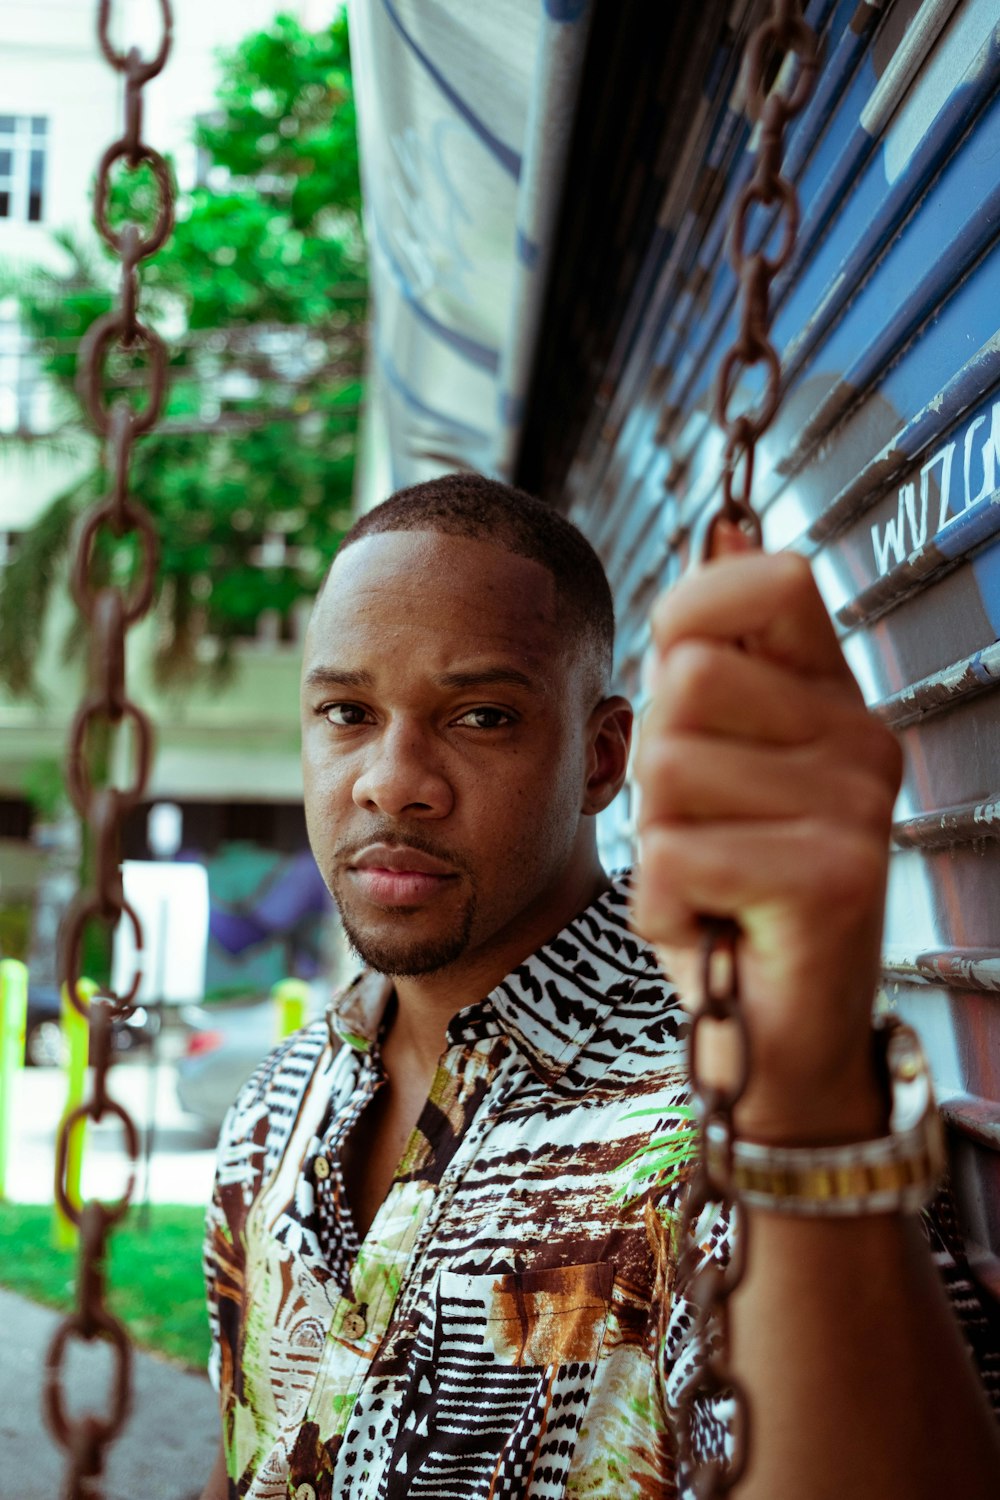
(485, 718)
(344, 715)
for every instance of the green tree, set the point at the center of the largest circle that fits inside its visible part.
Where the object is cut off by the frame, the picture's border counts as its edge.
(261, 294)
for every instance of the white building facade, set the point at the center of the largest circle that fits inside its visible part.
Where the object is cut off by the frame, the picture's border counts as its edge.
(62, 105)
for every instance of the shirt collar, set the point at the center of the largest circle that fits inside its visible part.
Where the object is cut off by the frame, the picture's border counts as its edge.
(550, 1005)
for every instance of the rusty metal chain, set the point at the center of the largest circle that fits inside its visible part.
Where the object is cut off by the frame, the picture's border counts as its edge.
(109, 610)
(783, 34)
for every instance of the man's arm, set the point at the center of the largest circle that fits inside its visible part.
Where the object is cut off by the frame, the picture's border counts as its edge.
(217, 1487)
(860, 1383)
(767, 796)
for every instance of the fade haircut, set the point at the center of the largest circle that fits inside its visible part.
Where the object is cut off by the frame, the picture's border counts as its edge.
(470, 505)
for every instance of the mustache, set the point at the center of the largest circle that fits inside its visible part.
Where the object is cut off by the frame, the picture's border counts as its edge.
(391, 835)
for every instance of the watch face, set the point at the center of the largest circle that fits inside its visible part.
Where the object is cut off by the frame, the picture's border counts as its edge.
(909, 1079)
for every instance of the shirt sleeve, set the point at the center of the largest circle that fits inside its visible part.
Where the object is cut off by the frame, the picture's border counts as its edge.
(222, 1252)
(240, 1165)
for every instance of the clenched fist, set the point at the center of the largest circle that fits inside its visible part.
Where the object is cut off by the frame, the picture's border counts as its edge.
(767, 792)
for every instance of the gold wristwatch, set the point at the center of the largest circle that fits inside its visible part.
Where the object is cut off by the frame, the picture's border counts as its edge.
(897, 1173)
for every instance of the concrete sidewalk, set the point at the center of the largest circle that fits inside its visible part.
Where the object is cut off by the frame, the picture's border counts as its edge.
(166, 1449)
(183, 1157)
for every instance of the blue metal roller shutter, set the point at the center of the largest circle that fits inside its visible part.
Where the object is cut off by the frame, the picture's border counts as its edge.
(883, 467)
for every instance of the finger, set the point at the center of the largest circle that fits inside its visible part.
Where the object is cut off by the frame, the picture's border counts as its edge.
(748, 872)
(770, 603)
(694, 778)
(715, 687)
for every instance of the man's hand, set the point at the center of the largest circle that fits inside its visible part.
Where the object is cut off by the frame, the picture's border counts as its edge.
(766, 796)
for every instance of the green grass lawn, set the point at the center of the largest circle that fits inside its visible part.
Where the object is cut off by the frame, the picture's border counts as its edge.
(154, 1282)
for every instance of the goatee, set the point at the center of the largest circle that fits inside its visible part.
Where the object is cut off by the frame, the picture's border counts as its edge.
(403, 957)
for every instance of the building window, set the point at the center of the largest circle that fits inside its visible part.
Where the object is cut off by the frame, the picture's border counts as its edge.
(23, 142)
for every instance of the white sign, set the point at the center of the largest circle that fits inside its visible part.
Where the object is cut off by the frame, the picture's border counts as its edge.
(171, 901)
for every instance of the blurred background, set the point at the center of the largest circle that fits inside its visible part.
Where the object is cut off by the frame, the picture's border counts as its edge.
(415, 237)
(261, 293)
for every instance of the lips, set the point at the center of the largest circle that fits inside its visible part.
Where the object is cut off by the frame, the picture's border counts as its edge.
(401, 858)
(393, 875)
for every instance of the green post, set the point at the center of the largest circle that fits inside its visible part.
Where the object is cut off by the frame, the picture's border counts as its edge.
(291, 997)
(76, 1030)
(13, 1025)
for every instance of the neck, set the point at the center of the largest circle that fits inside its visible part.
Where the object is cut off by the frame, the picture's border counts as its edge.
(427, 1002)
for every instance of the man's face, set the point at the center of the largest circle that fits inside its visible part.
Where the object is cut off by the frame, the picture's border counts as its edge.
(444, 730)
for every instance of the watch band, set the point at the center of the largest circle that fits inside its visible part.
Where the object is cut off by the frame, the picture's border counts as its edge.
(899, 1172)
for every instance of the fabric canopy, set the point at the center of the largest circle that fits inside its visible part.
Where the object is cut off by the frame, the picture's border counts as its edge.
(465, 112)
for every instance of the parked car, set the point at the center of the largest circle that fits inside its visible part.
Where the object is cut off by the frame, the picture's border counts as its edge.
(44, 1044)
(223, 1048)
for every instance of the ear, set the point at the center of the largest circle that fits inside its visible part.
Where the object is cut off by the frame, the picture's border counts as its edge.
(609, 731)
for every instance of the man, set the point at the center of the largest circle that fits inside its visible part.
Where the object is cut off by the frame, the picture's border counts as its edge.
(442, 1248)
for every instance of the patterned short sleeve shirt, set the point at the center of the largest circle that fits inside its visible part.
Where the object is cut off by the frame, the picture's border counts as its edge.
(510, 1326)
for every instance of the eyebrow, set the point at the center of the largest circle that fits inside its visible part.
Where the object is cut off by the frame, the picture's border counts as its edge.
(488, 677)
(338, 677)
(479, 677)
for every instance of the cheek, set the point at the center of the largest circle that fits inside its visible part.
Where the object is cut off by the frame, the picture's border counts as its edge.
(327, 784)
(538, 805)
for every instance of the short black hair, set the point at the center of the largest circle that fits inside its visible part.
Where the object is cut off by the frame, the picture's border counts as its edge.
(471, 505)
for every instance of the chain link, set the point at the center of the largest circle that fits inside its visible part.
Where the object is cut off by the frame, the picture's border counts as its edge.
(109, 610)
(783, 34)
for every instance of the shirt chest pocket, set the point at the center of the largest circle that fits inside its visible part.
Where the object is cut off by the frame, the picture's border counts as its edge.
(499, 1384)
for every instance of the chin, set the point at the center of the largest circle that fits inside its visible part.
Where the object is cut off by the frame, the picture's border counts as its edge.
(405, 960)
(394, 951)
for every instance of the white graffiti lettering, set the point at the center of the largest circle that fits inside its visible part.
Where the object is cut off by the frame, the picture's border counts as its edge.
(895, 538)
(891, 547)
(944, 458)
(987, 456)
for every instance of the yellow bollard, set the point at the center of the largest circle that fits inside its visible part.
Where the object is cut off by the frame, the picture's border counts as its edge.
(291, 998)
(76, 1030)
(13, 1026)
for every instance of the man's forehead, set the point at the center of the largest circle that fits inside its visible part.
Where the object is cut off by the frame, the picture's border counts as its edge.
(440, 581)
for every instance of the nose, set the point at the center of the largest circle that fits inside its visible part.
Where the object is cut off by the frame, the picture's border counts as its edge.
(402, 776)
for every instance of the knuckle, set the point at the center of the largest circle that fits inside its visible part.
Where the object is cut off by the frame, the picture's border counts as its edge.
(661, 616)
(658, 911)
(864, 798)
(873, 808)
(793, 574)
(871, 742)
(659, 768)
(891, 754)
(689, 674)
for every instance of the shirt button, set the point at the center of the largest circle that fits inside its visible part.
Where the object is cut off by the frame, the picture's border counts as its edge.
(305, 1492)
(322, 1170)
(354, 1325)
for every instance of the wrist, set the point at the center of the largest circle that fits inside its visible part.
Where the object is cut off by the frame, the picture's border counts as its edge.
(895, 1168)
(848, 1099)
(854, 1110)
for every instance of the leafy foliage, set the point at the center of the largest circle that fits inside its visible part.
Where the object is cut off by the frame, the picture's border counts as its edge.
(261, 294)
